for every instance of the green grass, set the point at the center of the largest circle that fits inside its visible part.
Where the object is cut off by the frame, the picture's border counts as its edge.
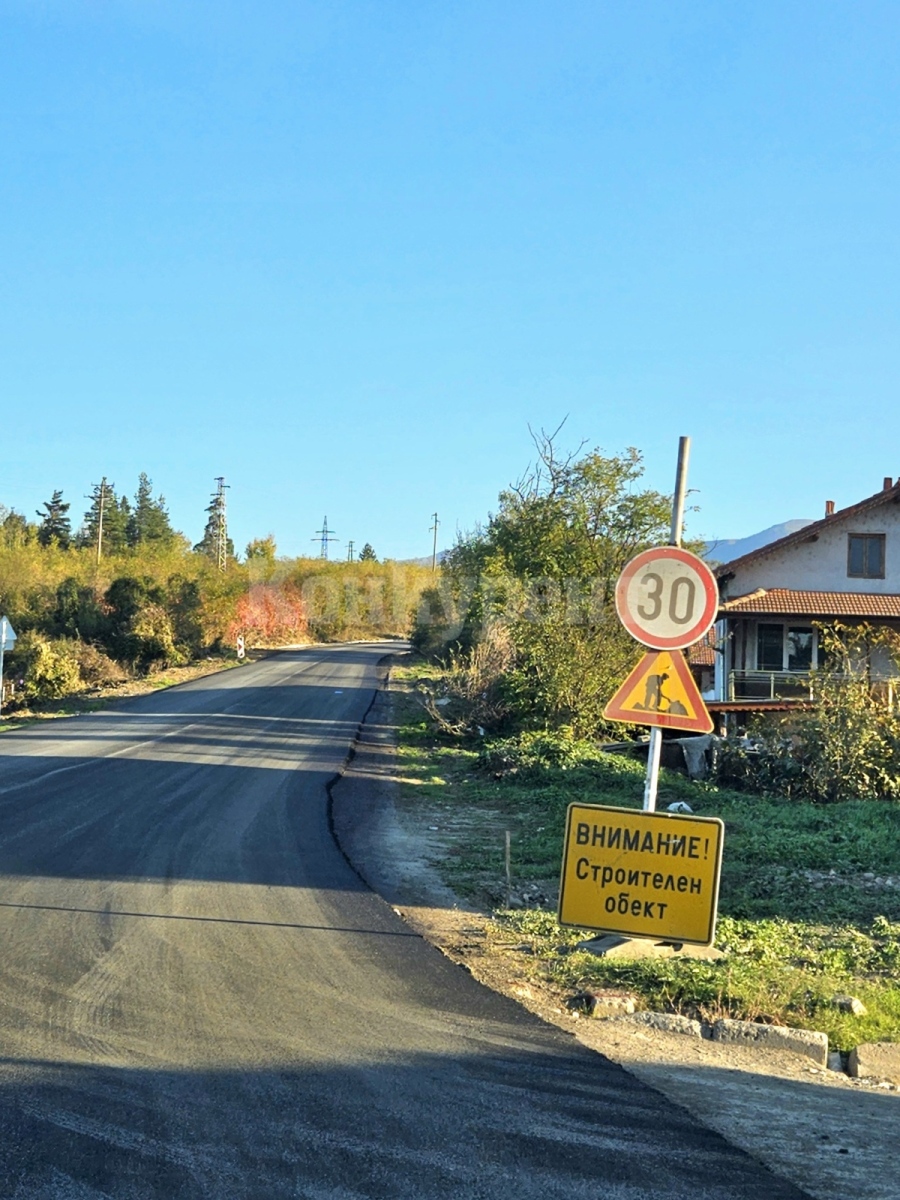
(795, 935)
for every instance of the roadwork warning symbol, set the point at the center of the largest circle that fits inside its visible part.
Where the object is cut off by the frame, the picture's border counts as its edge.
(641, 874)
(661, 691)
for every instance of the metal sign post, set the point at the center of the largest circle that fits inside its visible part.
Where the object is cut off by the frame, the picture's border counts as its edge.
(684, 453)
(652, 875)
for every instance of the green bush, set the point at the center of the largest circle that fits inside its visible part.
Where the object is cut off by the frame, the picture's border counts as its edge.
(48, 668)
(846, 748)
(152, 637)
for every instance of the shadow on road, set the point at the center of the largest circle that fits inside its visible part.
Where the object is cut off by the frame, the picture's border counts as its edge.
(529, 1122)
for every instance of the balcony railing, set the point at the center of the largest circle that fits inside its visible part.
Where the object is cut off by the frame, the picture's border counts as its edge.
(797, 685)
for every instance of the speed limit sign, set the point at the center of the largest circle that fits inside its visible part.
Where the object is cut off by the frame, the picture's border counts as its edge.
(667, 598)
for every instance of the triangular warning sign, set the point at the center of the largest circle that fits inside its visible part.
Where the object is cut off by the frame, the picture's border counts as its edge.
(661, 691)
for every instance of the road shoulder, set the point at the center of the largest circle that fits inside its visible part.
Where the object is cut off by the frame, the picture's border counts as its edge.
(828, 1134)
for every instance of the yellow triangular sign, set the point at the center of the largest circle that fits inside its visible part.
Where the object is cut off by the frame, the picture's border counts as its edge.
(661, 691)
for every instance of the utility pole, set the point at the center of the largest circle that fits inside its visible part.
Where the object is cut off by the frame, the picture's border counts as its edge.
(434, 529)
(350, 551)
(323, 537)
(220, 523)
(100, 510)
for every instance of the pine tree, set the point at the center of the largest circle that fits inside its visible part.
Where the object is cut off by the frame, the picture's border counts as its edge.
(55, 524)
(367, 554)
(15, 530)
(148, 521)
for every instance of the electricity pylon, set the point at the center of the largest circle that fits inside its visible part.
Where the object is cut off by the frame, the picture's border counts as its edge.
(323, 537)
(350, 551)
(220, 524)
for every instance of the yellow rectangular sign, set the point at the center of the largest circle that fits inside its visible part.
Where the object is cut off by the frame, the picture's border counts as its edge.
(642, 874)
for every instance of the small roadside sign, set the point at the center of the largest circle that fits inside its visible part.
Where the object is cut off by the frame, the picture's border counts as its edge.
(7, 634)
(7, 642)
(641, 874)
(661, 691)
(667, 598)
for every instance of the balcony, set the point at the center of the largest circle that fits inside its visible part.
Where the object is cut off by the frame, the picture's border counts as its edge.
(797, 685)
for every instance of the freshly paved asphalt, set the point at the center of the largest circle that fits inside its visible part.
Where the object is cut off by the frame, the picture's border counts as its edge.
(199, 997)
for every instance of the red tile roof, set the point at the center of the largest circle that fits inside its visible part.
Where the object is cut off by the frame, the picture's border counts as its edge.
(703, 653)
(810, 532)
(815, 604)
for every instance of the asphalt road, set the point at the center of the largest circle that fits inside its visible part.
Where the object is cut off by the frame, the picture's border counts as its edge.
(199, 997)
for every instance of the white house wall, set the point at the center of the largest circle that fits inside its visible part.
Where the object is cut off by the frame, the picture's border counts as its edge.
(821, 566)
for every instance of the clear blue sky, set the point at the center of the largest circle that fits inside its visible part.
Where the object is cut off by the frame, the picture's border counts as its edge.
(343, 253)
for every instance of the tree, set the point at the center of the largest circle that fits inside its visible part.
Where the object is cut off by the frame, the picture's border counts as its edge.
(367, 554)
(148, 520)
(15, 530)
(545, 568)
(55, 526)
(260, 558)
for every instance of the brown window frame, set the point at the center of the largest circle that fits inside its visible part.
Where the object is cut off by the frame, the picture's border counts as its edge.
(868, 537)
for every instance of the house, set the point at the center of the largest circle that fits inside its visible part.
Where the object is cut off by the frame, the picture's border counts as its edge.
(845, 567)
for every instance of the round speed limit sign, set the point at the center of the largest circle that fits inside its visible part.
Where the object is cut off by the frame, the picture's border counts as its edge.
(667, 598)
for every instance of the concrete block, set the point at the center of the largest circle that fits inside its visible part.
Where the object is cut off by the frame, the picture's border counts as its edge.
(603, 1003)
(875, 1060)
(850, 1004)
(773, 1037)
(665, 1022)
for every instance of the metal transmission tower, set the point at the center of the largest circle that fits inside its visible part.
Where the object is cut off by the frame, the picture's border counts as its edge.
(350, 551)
(433, 529)
(220, 524)
(323, 537)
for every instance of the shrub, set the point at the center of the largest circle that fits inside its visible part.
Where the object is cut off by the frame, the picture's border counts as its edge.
(96, 668)
(48, 669)
(153, 638)
(471, 695)
(846, 748)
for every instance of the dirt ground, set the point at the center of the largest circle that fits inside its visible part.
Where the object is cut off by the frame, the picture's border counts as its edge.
(833, 1136)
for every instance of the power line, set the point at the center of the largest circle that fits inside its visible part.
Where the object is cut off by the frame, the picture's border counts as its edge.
(323, 537)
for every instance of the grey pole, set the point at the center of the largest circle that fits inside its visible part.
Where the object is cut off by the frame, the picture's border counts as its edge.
(655, 747)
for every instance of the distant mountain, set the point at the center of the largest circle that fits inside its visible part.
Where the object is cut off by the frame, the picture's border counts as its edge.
(426, 560)
(727, 549)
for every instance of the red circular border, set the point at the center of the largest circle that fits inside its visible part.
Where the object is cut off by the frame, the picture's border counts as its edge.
(710, 587)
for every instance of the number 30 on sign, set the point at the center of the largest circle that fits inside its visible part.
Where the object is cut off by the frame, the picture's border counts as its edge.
(667, 598)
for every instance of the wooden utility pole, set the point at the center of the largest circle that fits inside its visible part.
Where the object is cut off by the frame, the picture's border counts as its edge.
(100, 519)
(434, 529)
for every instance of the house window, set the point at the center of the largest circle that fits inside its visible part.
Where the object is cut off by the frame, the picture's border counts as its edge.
(799, 648)
(770, 648)
(865, 555)
(785, 647)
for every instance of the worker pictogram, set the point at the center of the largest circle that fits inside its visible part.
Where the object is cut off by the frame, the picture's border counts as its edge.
(661, 691)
